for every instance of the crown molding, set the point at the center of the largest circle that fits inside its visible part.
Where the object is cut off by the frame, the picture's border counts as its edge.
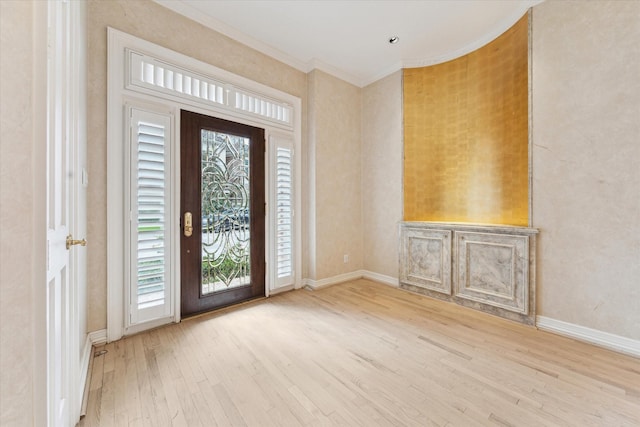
(497, 31)
(194, 14)
(316, 64)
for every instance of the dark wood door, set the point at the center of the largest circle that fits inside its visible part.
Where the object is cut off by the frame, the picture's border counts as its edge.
(222, 258)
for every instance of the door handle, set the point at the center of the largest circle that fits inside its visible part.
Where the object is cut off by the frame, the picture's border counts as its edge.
(71, 242)
(188, 224)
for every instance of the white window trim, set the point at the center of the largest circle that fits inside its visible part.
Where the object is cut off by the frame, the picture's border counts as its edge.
(148, 74)
(119, 95)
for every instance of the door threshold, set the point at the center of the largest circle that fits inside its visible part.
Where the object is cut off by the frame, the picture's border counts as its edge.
(224, 309)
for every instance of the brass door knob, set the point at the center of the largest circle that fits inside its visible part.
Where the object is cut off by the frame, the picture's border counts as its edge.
(71, 242)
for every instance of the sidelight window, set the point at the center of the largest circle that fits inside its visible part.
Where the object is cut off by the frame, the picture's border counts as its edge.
(149, 216)
(283, 211)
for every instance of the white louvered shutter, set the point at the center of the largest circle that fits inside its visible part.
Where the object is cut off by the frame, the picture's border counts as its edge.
(150, 237)
(282, 212)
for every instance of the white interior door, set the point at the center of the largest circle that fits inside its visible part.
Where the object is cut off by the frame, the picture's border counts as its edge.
(58, 272)
(65, 212)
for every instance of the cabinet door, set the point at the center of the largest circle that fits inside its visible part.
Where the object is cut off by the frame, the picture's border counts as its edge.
(493, 269)
(425, 259)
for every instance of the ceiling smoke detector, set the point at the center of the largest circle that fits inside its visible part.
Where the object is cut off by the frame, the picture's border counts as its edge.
(394, 39)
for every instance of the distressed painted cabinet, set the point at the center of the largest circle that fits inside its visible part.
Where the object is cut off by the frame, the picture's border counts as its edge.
(488, 268)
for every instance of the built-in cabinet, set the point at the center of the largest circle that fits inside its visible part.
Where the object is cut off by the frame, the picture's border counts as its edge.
(488, 268)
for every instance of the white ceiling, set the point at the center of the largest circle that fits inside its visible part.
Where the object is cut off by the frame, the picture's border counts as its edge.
(349, 39)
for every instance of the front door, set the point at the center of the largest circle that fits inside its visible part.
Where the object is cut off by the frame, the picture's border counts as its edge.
(222, 258)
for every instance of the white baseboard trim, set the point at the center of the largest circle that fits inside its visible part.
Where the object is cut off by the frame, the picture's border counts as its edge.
(323, 283)
(592, 336)
(98, 337)
(354, 275)
(381, 278)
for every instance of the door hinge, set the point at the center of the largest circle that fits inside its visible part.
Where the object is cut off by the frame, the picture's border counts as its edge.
(48, 257)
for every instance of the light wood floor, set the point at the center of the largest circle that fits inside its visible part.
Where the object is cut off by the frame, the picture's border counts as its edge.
(359, 354)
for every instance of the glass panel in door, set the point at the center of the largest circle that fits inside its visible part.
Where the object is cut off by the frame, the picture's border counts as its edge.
(226, 207)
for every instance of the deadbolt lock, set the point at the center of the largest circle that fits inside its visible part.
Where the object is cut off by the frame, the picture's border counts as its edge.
(188, 224)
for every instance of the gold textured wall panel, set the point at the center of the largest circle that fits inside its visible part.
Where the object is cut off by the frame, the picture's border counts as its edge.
(466, 155)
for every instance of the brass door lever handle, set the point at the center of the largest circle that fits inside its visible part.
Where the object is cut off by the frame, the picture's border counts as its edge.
(188, 224)
(71, 242)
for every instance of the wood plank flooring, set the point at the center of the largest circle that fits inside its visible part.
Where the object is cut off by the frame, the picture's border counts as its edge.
(359, 354)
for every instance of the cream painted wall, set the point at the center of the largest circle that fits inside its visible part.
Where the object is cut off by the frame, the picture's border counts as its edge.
(382, 174)
(586, 162)
(336, 196)
(586, 171)
(17, 145)
(176, 32)
(572, 98)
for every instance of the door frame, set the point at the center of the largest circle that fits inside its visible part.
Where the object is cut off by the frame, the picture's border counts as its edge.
(122, 93)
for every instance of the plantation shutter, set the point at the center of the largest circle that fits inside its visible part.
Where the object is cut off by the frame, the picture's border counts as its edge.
(282, 212)
(150, 268)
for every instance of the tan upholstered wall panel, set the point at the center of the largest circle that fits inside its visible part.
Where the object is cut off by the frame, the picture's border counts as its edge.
(466, 135)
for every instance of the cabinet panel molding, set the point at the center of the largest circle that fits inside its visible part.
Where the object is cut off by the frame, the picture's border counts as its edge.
(493, 269)
(428, 259)
(488, 268)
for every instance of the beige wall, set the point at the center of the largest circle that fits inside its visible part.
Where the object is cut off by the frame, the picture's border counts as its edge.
(173, 31)
(578, 114)
(586, 162)
(20, 265)
(382, 173)
(586, 168)
(335, 140)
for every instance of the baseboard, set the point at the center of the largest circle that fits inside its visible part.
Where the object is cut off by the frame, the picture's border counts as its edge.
(381, 278)
(592, 336)
(329, 281)
(354, 275)
(98, 337)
